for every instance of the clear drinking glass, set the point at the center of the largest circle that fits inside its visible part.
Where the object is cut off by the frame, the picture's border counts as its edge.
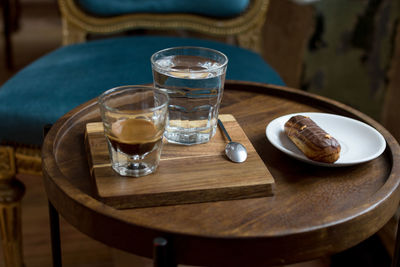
(134, 119)
(194, 79)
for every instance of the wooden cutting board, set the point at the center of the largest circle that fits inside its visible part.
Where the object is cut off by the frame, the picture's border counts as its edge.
(186, 174)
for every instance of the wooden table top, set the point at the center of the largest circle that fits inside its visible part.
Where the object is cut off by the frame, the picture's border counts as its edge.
(315, 211)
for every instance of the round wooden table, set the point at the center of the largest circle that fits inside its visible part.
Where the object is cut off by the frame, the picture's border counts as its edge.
(315, 211)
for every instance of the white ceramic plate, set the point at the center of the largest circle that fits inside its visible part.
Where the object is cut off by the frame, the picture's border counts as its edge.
(359, 142)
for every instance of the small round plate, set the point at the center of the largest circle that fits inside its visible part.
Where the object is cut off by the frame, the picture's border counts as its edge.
(359, 142)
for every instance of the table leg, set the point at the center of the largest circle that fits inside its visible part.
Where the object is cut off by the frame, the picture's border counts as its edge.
(55, 236)
(396, 253)
(54, 223)
(162, 256)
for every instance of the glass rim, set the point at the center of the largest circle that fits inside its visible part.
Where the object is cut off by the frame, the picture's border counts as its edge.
(102, 96)
(224, 64)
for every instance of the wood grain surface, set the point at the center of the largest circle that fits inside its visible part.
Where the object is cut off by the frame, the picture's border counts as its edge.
(186, 174)
(315, 211)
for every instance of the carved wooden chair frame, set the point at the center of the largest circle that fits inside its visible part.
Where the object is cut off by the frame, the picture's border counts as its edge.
(11, 193)
(246, 27)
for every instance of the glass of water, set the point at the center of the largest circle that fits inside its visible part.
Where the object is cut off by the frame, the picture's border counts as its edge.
(194, 79)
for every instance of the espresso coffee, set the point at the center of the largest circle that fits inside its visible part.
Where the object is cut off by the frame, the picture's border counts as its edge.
(134, 136)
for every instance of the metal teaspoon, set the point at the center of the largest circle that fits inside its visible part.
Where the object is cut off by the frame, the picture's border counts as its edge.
(236, 152)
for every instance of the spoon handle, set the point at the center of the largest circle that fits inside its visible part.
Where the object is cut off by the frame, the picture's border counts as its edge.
(224, 130)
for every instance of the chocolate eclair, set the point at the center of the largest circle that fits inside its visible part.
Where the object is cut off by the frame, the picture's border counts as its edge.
(314, 142)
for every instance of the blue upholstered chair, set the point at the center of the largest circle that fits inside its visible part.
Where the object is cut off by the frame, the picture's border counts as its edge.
(73, 74)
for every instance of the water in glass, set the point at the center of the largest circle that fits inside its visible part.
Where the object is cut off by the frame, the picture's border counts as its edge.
(195, 87)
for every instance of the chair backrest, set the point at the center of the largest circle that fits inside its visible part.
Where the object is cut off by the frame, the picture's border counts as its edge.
(245, 27)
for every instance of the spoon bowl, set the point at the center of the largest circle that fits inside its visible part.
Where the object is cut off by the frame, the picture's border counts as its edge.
(236, 152)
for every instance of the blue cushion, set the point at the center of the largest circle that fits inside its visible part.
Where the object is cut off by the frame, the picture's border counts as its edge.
(71, 75)
(214, 8)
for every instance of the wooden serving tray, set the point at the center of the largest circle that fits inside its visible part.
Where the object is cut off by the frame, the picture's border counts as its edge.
(186, 174)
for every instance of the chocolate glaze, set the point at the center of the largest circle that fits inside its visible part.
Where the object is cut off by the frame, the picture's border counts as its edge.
(309, 130)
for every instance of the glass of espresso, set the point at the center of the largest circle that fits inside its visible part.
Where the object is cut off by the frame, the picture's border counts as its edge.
(134, 119)
(194, 79)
